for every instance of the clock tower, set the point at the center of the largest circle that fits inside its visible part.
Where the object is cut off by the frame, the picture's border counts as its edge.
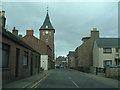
(47, 33)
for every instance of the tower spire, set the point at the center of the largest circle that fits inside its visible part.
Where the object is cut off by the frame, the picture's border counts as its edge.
(47, 23)
(47, 8)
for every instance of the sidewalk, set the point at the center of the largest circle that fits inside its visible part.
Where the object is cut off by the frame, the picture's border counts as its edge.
(101, 77)
(26, 82)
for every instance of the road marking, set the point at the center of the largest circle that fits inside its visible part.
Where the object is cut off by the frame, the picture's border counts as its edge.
(75, 84)
(36, 84)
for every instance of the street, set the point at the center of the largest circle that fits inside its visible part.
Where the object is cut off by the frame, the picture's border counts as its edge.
(67, 78)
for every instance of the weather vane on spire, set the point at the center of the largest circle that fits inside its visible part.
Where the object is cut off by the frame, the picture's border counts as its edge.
(47, 8)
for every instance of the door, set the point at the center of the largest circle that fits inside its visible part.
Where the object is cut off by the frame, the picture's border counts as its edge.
(31, 65)
(17, 62)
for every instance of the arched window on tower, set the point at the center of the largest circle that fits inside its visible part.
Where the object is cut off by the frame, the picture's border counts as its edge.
(46, 40)
(49, 33)
(43, 33)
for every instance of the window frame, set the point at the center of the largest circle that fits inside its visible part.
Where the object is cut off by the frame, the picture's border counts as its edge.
(46, 40)
(106, 52)
(104, 61)
(117, 50)
(25, 55)
(5, 47)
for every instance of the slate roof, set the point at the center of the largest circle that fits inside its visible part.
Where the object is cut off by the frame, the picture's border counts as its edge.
(47, 22)
(16, 40)
(71, 53)
(108, 42)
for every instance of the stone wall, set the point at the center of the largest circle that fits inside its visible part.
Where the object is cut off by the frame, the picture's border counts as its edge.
(112, 72)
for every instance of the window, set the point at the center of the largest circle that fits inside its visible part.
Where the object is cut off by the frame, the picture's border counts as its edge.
(25, 59)
(36, 62)
(107, 50)
(117, 61)
(5, 55)
(49, 33)
(43, 33)
(46, 40)
(107, 62)
(117, 50)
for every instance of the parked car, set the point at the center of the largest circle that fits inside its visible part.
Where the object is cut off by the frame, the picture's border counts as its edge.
(112, 65)
(61, 66)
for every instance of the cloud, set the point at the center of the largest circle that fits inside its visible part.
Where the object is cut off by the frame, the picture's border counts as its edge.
(72, 20)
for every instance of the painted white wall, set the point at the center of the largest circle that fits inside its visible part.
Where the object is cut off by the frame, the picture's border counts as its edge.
(99, 56)
(44, 62)
(104, 56)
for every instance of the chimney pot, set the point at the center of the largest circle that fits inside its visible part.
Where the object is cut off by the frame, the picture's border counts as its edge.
(3, 13)
(2, 19)
(14, 28)
(14, 31)
(29, 32)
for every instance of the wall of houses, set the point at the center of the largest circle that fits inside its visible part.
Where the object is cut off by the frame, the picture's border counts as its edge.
(17, 68)
(38, 45)
(72, 63)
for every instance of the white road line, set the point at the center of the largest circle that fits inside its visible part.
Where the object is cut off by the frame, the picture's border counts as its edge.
(75, 84)
(72, 80)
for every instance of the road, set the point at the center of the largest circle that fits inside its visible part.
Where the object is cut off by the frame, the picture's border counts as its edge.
(67, 78)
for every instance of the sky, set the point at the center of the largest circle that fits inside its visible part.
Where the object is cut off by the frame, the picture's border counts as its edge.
(72, 20)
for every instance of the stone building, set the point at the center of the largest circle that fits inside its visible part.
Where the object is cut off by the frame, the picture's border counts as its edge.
(19, 60)
(71, 60)
(84, 55)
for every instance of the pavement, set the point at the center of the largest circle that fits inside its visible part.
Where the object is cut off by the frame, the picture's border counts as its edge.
(101, 77)
(26, 82)
(32, 81)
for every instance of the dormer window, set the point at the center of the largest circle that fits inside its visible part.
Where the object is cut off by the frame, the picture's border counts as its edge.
(46, 26)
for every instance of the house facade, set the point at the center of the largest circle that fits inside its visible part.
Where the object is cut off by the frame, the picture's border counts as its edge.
(71, 60)
(106, 52)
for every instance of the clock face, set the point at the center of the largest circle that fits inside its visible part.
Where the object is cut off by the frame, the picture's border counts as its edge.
(46, 32)
(46, 26)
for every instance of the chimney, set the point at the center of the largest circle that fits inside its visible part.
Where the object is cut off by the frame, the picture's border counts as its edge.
(29, 32)
(3, 13)
(14, 31)
(2, 19)
(94, 33)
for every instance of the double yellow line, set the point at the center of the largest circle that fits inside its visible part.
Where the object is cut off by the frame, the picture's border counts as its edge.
(37, 83)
